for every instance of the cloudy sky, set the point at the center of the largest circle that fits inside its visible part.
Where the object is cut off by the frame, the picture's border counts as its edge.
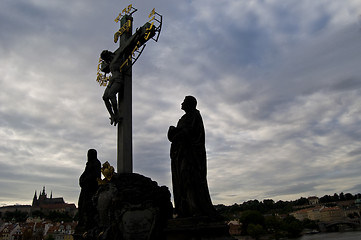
(278, 84)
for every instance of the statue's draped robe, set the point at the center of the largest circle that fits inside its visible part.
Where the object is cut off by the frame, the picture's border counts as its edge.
(189, 167)
(89, 185)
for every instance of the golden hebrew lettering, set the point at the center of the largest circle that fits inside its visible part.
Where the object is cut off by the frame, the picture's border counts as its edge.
(125, 10)
(135, 48)
(151, 19)
(150, 28)
(126, 62)
(125, 28)
(152, 13)
(129, 8)
(145, 32)
(117, 19)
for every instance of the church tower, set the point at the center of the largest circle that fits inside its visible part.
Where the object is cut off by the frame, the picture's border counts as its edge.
(43, 196)
(35, 200)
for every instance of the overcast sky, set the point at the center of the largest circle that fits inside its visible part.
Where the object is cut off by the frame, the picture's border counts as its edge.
(278, 84)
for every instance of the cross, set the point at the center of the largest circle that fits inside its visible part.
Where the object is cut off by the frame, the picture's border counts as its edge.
(124, 137)
(130, 48)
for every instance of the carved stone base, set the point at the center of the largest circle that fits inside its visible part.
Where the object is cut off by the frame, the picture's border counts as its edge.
(130, 207)
(196, 228)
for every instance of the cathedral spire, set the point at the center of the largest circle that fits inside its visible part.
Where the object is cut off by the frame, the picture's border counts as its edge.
(42, 196)
(35, 199)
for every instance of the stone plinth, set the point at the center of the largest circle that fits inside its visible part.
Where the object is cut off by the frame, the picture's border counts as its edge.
(196, 228)
(130, 207)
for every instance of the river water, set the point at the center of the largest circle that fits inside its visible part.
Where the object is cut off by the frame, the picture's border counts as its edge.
(356, 235)
(333, 236)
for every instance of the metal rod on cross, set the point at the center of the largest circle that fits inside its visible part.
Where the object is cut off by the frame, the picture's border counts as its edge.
(119, 63)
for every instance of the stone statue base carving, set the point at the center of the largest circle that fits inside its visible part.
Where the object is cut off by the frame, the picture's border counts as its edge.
(130, 207)
(197, 228)
(133, 207)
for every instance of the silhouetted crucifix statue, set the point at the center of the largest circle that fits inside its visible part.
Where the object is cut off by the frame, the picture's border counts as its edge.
(119, 64)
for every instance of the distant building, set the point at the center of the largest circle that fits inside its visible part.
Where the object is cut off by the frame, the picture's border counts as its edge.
(235, 228)
(61, 231)
(301, 214)
(308, 213)
(329, 214)
(314, 213)
(325, 214)
(10, 232)
(46, 205)
(313, 200)
(43, 204)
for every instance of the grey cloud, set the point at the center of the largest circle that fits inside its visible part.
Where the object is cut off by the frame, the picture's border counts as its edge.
(300, 188)
(355, 189)
(355, 152)
(348, 84)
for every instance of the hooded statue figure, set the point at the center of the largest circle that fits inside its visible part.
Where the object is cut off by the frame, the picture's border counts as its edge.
(88, 182)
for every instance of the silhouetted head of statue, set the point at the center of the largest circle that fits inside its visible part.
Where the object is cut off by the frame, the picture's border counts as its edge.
(106, 55)
(92, 154)
(189, 103)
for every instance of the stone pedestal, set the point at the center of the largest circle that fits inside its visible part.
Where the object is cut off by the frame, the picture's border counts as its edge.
(196, 228)
(133, 207)
(130, 207)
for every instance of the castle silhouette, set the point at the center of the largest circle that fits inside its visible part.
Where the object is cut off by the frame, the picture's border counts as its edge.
(45, 204)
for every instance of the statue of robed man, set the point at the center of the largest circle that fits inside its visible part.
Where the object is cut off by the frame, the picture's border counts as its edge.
(189, 164)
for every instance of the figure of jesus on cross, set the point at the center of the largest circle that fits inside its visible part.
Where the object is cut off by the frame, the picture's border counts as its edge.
(114, 63)
(119, 64)
(115, 85)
